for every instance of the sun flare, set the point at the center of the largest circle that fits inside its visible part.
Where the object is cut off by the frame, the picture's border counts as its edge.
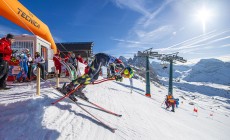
(204, 15)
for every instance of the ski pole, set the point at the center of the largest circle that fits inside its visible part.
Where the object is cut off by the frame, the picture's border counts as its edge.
(163, 102)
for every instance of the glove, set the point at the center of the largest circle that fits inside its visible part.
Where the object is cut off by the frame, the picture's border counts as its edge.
(14, 51)
(114, 75)
(119, 78)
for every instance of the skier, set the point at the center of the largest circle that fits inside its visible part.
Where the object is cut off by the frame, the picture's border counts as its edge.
(100, 59)
(114, 67)
(128, 73)
(5, 55)
(170, 101)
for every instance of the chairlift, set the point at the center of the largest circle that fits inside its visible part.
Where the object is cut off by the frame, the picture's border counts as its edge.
(164, 65)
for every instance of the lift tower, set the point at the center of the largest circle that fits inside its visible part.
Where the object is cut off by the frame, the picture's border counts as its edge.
(170, 58)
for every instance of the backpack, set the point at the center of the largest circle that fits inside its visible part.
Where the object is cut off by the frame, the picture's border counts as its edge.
(131, 73)
(169, 96)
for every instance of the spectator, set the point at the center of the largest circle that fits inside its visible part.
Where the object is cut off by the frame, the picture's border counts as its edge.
(22, 75)
(5, 55)
(29, 63)
(39, 60)
(72, 60)
(57, 63)
(66, 58)
(79, 58)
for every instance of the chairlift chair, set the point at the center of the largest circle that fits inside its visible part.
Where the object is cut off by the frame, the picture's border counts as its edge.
(164, 65)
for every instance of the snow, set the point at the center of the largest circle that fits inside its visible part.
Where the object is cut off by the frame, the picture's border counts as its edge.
(210, 70)
(27, 116)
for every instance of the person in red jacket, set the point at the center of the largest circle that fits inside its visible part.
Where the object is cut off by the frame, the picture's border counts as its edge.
(80, 59)
(57, 63)
(5, 56)
(87, 69)
(66, 58)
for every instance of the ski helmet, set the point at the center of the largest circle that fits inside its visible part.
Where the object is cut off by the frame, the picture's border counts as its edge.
(129, 71)
(118, 61)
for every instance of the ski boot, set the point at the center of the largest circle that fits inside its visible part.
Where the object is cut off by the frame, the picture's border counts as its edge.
(67, 89)
(80, 94)
(71, 96)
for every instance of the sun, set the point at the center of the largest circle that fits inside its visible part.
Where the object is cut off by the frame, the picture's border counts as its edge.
(204, 15)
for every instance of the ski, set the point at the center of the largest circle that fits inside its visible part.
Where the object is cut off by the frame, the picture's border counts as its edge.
(66, 95)
(104, 124)
(103, 109)
(99, 107)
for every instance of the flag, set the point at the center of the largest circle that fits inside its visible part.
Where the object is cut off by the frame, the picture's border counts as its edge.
(195, 110)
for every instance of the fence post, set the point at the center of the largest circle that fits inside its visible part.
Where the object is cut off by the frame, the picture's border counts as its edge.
(57, 78)
(38, 81)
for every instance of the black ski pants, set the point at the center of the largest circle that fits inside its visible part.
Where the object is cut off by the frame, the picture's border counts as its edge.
(4, 69)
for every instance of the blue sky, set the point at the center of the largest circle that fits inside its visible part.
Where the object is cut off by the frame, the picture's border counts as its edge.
(123, 27)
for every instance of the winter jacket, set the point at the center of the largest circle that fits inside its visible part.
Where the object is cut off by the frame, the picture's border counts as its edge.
(57, 60)
(39, 60)
(80, 59)
(5, 49)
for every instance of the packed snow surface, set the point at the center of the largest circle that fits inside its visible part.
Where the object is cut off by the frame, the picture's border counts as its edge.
(27, 116)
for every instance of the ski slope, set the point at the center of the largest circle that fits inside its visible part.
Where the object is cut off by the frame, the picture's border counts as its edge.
(25, 116)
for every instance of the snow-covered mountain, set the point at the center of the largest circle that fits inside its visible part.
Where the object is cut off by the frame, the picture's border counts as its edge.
(210, 70)
(178, 70)
(206, 70)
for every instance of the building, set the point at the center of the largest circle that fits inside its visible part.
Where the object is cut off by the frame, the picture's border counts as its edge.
(35, 44)
(83, 48)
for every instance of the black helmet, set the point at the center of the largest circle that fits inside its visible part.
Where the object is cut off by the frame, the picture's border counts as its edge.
(9, 36)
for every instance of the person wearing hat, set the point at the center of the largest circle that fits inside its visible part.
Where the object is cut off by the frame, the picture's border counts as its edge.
(5, 56)
(40, 61)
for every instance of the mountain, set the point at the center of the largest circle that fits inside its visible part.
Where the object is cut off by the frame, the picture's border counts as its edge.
(139, 66)
(178, 70)
(210, 70)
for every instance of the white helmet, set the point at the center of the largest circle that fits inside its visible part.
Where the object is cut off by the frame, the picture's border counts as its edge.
(26, 51)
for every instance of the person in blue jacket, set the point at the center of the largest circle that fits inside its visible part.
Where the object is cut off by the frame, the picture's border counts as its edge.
(22, 75)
